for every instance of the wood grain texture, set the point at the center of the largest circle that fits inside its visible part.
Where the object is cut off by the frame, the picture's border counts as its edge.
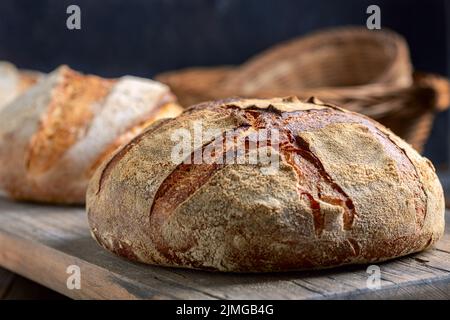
(15, 287)
(40, 242)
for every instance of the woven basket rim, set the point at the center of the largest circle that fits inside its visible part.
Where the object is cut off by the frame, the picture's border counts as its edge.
(305, 43)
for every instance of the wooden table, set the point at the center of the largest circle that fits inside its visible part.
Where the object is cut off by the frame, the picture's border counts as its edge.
(15, 287)
(40, 242)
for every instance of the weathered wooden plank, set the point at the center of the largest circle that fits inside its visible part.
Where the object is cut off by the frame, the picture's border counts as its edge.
(429, 290)
(13, 287)
(40, 242)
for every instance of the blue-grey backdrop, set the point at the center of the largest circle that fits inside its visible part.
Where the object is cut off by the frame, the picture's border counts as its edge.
(146, 37)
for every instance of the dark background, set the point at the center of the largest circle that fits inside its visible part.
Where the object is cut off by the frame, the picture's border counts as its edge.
(146, 37)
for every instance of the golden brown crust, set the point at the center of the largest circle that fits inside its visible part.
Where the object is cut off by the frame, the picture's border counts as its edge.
(347, 191)
(28, 79)
(14, 82)
(67, 118)
(162, 111)
(53, 136)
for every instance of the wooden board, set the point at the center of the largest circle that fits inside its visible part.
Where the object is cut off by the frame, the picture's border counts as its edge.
(40, 242)
(15, 287)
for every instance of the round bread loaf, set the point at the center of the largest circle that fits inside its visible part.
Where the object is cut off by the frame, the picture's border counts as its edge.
(54, 136)
(346, 190)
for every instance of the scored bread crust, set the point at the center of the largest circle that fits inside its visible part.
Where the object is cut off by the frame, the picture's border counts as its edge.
(347, 191)
(54, 136)
(13, 81)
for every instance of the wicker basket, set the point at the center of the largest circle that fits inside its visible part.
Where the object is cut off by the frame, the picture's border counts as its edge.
(194, 85)
(365, 71)
(343, 57)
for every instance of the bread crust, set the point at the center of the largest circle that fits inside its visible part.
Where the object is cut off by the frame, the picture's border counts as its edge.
(347, 191)
(13, 82)
(54, 136)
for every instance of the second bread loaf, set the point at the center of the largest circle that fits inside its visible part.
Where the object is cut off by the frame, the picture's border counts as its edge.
(13, 82)
(54, 136)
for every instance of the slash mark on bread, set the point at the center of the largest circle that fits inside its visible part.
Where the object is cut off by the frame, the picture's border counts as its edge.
(317, 119)
(178, 186)
(311, 176)
(181, 184)
(133, 130)
(312, 172)
(344, 200)
(68, 118)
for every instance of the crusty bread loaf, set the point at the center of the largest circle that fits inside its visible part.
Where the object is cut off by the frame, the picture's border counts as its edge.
(13, 82)
(54, 136)
(347, 191)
